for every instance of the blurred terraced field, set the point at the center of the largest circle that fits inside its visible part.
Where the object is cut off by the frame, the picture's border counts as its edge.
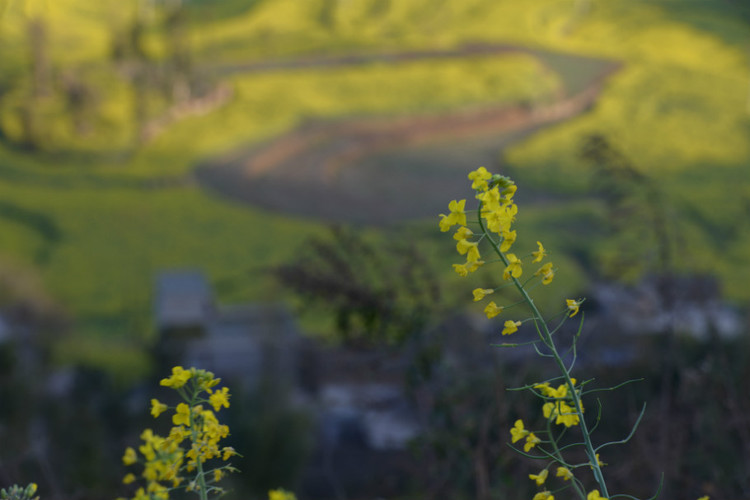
(92, 218)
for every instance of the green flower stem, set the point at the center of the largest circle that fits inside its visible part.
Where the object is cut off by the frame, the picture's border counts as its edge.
(202, 491)
(546, 338)
(558, 456)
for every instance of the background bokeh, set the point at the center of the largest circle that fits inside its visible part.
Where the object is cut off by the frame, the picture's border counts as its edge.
(296, 154)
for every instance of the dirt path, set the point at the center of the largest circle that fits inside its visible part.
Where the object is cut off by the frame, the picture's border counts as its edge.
(371, 58)
(375, 170)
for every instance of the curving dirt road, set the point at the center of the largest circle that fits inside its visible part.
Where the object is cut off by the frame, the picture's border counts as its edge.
(384, 170)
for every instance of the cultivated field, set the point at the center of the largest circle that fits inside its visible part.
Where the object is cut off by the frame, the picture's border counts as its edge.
(90, 216)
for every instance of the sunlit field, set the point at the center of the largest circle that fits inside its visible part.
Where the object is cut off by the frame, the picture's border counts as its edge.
(95, 213)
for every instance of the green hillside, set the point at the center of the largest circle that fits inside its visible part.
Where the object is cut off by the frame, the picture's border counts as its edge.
(95, 211)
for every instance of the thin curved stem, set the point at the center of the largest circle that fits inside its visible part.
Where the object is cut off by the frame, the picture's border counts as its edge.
(546, 338)
(202, 487)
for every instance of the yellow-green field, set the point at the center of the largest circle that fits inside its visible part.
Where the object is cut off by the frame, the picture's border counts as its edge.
(94, 218)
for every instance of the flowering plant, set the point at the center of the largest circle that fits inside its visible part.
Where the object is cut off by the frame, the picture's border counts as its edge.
(180, 461)
(566, 430)
(16, 492)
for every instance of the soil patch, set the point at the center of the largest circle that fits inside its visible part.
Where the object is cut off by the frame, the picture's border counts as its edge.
(385, 170)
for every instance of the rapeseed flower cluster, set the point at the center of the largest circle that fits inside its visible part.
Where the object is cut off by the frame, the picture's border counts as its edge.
(496, 214)
(179, 461)
(16, 492)
(557, 407)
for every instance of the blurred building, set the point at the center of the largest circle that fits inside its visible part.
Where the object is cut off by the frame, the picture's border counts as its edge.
(356, 398)
(245, 343)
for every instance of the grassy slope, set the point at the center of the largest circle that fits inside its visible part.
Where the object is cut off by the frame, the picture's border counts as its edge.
(116, 234)
(686, 68)
(680, 113)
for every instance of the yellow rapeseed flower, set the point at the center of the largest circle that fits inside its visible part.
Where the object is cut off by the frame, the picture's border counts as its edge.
(473, 255)
(564, 473)
(280, 494)
(177, 434)
(480, 293)
(463, 233)
(456, 215)
(157, 408)
(548, 410)
(546, 272)
(499, 218)
(158, 491)
(479, 178)
(461, 270)
(182, 415)
(544, 495)
(539, 478)
(179, 377)
(543, 388)
(514, 267)
(129, 478)
(219, 399)
(594, 495)
(466, 268)
(531, 441)
(496, 219)
(546, 390)
(518, 431)
(465, 247)
(492, 310)
(539, 254)
(510, 327)
(559, 393)
(573, 306)
(130, 457)
(509, 237)
(490, 200)
(566, 415)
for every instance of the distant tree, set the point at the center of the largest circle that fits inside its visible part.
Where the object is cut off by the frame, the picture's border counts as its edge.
(378, 294)
(80, 99)
(130, 54)
(40, 84)
(41, 81)
(178, 65)
(163, 82)
(327, 14)
(635, 208)
(637, 213)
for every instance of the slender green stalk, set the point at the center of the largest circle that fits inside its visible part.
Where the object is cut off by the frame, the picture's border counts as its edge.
(202, 492)
(558, 456)
(546, 338)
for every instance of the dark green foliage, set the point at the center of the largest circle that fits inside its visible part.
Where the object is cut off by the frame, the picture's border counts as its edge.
(377, 293)
(39, 222)
(274, 439)
(202, 11)
(635, 211)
